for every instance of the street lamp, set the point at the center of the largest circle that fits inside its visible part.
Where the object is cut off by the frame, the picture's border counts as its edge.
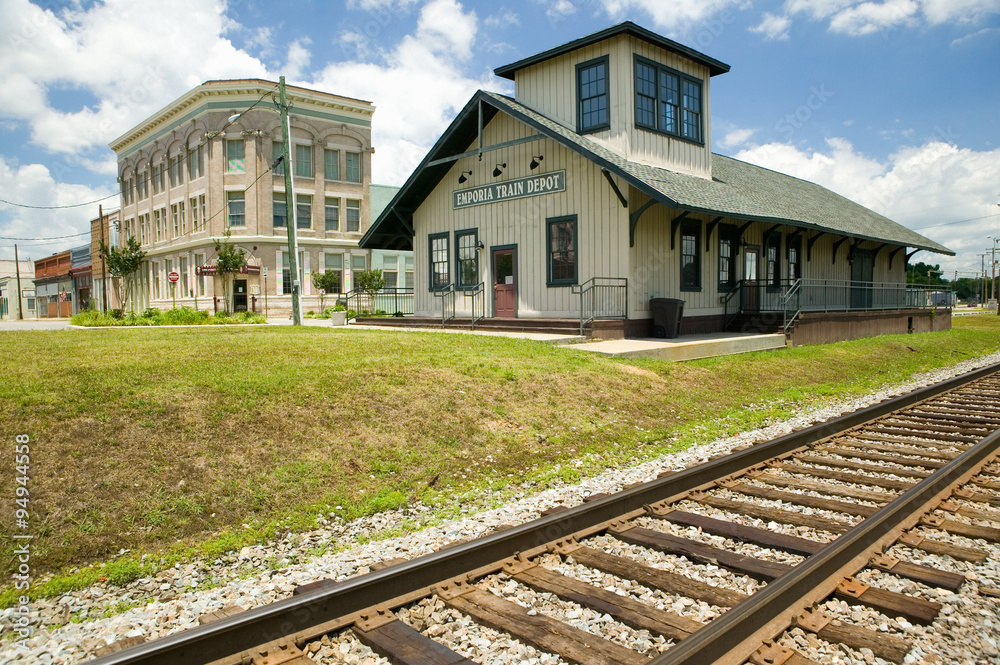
(293, 241)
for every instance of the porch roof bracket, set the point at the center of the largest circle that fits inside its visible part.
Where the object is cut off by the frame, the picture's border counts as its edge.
(768, 233)
(633, 220)
(406, 224)
(854, 248)
(739, 236)
(614, 186)
(893, 253)
(836, 246)
(674, 225)
(910, 256)
(810, 243)
(878, 249)
(708, 233)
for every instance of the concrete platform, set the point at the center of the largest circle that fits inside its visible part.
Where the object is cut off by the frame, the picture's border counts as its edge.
(555, 339)
(686, 347)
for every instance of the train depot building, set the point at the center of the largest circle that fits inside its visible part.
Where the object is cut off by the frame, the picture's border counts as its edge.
(594, 191)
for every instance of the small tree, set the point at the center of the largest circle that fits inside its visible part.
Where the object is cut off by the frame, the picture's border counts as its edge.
(370, 282)
(122, 263)
(230, 259)
(326, 282)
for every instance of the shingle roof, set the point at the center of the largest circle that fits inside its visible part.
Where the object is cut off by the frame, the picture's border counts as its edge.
(737, 189)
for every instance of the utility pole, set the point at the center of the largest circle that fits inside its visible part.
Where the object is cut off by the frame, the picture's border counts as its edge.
(17, 269)
(293, 245)
(104, 263)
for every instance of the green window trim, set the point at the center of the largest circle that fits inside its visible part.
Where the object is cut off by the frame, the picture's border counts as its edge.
(668, 102)
(593, 97)
(466, 258)
(793, 253)
(690, 256)
(772, 261)
(562, 256)
(438, 259)
(728, 254)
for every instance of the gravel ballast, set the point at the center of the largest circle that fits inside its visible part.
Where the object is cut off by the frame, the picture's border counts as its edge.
(71, 627)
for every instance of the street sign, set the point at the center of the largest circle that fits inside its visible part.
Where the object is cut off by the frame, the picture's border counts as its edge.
(174, 276)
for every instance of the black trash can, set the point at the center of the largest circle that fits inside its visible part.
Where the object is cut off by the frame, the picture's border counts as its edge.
(667, 315)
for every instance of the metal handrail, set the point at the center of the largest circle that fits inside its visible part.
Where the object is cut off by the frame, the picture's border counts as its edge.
(478, 293)
(793, 291)
(608, 299)
(736, 290)
(446, 294)
(399, 300)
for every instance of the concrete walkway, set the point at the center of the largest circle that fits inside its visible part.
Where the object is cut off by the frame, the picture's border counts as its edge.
(686, 347)
(538, 337)
(33, 324)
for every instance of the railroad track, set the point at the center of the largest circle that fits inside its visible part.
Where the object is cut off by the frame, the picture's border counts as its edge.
(796, 525)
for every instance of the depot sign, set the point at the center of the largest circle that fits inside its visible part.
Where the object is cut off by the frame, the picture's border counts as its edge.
(547, 183)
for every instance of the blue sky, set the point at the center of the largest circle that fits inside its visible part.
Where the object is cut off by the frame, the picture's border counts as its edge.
(893, 103)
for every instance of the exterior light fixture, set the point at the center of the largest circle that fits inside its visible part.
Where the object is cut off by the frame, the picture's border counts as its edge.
(480, 245)
(498, 171)
(462, 179)
(535, 162)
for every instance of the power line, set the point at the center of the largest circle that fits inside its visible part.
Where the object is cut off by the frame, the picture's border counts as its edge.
(75, 235)
(961, 221)
(75, 205)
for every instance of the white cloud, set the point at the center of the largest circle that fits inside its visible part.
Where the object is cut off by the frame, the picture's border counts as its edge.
(774, 28)
(372, 5)
(88, 50)
(298, 58)
(504, 18)
(970, 37)
(920, 187)
(407, 119)
(35, 184)
(869, 17)
(559, 9)
(960, 11)
(677, 16)
(735, 137)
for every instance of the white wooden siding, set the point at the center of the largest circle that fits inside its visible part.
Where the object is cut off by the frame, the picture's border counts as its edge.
(602, 224)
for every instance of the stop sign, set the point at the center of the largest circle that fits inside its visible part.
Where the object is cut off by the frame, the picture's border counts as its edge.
(173, 276)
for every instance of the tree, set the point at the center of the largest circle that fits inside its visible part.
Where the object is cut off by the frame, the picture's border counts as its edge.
(122, 263)
(230, 259)
(923, 273)
(370, 282)
(326, 282)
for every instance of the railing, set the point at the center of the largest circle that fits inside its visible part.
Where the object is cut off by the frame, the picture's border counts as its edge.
(391, 301)
(793, 298)
(478, 295)
(447, 296)
(602, 298)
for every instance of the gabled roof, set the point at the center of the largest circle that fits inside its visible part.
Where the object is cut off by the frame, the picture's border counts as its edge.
(628, 28)
(737, 190)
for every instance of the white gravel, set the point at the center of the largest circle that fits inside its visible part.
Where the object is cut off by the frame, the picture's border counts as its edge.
(69, 628)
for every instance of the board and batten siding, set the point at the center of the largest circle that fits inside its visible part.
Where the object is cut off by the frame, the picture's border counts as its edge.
(550, 87)
(602, 224)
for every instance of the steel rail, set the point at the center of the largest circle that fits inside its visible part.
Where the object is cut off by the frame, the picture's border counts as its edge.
(735, 635)
(244, 631)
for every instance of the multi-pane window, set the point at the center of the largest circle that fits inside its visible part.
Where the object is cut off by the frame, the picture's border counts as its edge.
(561, 243)
(440, 270)
(159, 183)
(353, 163)
(690, 256)
(467, 258)
(184, 224)
(236, 208)
(204, 210)
(176, 170)
(196, 162)
(280, 214)
(727, 258)
(142, 185)
(359, 263)
(235, 156)
(331, 214)
(199, 260)
(772, 260)
(795, 258)
(286, 273)
(158, 221)
(303, 211)
(175, 216)
(185, 292)
(128, 194)
(303, 161)
(331, 164)
(592, 95)
(353, 216)
(408, 269)
(335, 263)
(667, 101)
(390, 270)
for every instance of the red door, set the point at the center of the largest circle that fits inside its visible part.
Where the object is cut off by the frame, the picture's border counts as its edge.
(504, 283)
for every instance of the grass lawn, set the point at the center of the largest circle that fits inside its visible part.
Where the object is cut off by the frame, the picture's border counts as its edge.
(197, 441)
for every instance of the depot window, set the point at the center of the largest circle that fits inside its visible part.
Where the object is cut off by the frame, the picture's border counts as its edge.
(668, 101)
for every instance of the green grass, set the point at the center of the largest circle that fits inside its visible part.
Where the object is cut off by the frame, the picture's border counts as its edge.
(195, 442)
